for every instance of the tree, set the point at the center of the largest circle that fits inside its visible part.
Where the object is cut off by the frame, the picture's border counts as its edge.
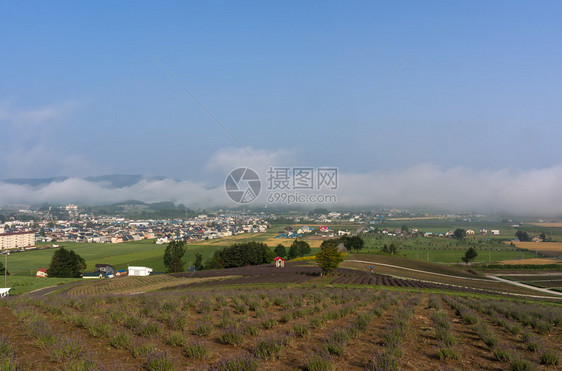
(280, 250)
(198, 262)
(240, 255)
(391, 249)
(352, 243)
(459, 234)
(523, 236)
(543, 236)
(172, 257)
(356, 243)
(329, 257)
(2, 269)
(299, 248)
(66, 264)
(469, 256)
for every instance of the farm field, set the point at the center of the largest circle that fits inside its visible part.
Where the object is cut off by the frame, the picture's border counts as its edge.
(444, 250)
(119, 255)
(532, 261)
(249, 327)
(541, 247)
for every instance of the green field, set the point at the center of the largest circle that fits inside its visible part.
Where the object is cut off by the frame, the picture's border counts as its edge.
(445, 250)
(144, 253)
(21, 284)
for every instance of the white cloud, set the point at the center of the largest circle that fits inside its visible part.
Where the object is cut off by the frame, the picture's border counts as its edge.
(80, 190)
(39, 115)
(530, 192)
(257, 159)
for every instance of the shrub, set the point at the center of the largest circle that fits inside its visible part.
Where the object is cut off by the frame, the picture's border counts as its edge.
(319, 363)
(244, 363)
(383, 361)
(159, 361)
(82, 321)
(520, 364)
(121, 341)
(447, 353)
(203, 329)
(98, 329)
(65, 349)
(316, 323)
(269, 323)
(176, 321)
(269, 348)
(300, 330)
(131, 322)
(434, 302)
(503, 354)
(143, 350)
(251, 330)
(148, 329)
(334, 347)
(175, 339)
(549, 358)
(6, 350)
(232, 336)
(196, 350)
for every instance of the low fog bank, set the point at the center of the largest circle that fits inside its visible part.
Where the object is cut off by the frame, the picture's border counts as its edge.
(536, 192)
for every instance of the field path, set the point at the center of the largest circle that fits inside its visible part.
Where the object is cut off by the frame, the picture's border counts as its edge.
(419, 271)
(491, 278)
(526, 286)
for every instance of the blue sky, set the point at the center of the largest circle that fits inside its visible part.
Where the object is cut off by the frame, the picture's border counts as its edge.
(81, 94)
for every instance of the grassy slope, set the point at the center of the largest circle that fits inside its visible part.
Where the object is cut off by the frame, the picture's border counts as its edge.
(413, 264)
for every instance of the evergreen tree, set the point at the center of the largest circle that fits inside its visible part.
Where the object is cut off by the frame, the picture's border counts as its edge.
(459, 234)
(299, 248)
(523, 236)
(280, 250)
(66, 264)
(173, 255)
(198, 262)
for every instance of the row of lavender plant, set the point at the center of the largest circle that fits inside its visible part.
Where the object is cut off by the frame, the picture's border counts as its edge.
(443, 330)
(7, 358)
(501, 350)
(392, 337)
(533, 343)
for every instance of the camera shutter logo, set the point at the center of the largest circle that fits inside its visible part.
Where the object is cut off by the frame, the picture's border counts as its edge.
(242, 185)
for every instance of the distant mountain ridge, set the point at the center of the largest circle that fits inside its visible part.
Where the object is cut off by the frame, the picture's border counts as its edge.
(112, 181)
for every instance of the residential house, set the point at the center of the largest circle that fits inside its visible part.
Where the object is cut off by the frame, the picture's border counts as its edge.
(139, 271)
(41, 273)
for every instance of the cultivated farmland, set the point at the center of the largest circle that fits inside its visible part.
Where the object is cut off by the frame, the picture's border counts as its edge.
(240, 319)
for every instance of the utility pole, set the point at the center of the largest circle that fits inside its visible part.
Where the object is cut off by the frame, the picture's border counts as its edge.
(6, 253)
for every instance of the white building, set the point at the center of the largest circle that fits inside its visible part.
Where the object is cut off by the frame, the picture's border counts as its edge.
(17, 240)
(139, 271)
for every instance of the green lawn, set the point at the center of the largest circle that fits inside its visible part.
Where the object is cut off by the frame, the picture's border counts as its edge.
(144, 253)
(20, 284)
(446, 250)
